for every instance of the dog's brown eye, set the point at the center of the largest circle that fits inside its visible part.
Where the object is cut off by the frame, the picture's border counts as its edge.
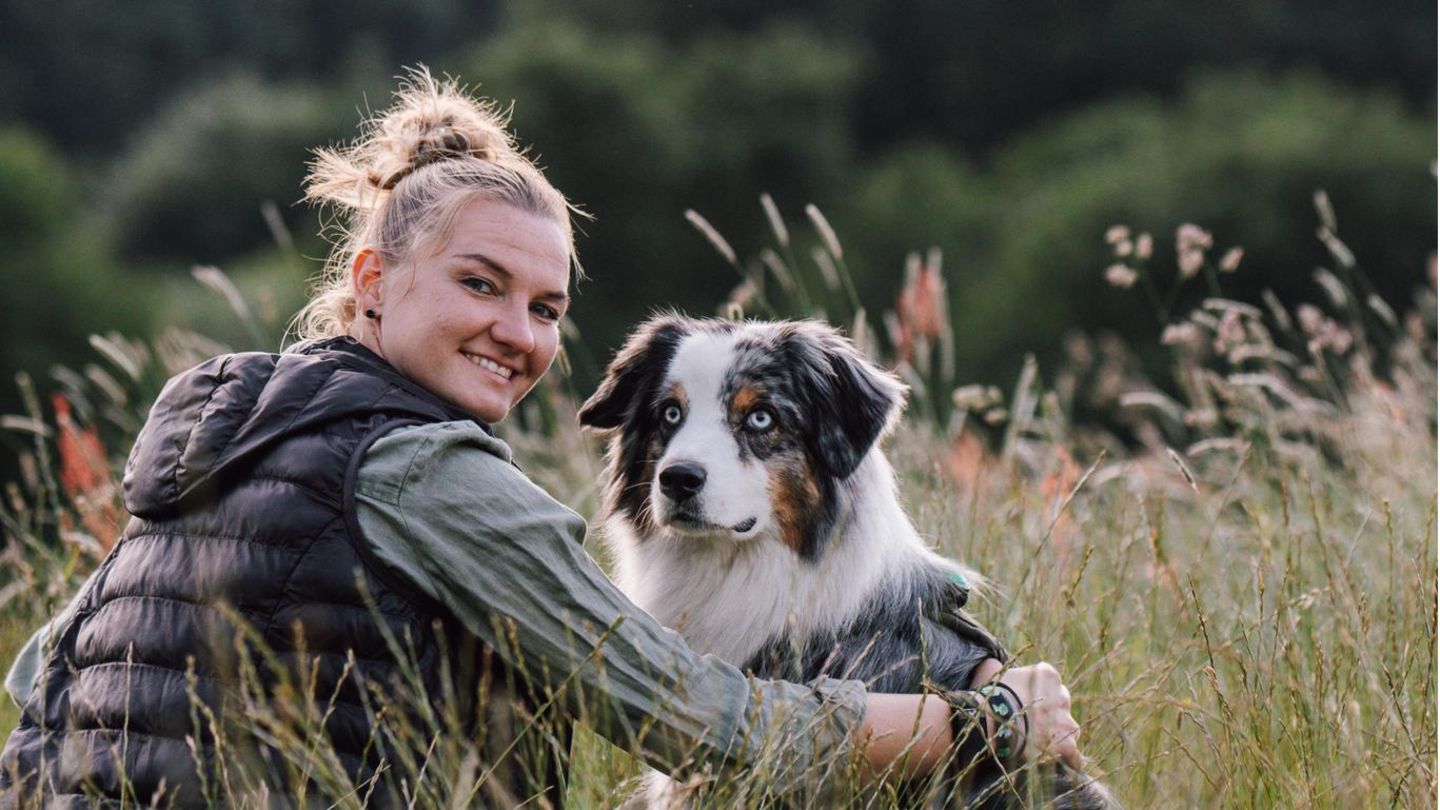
(672, 414)
(759, 420)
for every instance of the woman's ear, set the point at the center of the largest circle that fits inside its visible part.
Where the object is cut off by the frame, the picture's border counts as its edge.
(366, 272)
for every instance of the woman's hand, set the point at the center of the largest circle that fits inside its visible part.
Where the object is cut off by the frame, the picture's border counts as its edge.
(1052, 732)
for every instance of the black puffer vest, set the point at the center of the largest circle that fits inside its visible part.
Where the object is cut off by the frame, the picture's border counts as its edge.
(243, 574)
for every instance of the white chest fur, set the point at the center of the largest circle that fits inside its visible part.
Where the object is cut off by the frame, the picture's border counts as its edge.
(729, 598)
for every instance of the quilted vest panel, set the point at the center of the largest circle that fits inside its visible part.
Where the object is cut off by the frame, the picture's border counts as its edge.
(242, 576)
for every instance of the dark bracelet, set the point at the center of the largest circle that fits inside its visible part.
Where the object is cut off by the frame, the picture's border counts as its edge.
(970, 715)
(1005, 707)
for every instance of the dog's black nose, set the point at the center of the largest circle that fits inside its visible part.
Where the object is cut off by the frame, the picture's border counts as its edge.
(682, 480)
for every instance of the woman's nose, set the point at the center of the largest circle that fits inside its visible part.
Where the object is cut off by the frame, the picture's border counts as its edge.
(514, 330)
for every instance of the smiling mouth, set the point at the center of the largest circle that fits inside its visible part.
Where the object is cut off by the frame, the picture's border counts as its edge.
(489, 365)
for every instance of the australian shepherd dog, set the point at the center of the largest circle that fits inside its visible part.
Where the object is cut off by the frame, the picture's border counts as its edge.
(750, 507)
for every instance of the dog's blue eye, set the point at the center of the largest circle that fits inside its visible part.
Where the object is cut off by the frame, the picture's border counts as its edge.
(672, 414)
(759, 419)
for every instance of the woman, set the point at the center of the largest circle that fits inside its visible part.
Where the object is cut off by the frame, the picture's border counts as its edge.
(335, 532)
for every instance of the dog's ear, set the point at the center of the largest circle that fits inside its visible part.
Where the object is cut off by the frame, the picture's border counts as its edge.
(634, 372)
(855, 402)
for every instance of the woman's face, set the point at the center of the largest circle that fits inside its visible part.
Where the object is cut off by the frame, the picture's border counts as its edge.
(477, 321)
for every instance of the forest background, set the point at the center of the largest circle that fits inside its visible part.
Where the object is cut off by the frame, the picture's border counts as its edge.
(138, 144)
(1225, 472)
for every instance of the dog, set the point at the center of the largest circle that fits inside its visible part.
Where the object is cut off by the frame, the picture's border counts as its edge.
(749, 506)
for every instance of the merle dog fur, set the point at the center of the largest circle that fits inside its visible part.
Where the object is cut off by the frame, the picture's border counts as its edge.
(913, 634)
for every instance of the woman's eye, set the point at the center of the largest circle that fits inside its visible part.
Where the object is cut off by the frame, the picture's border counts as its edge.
(479, 285)
(672, 414)
(760, 419)
(545, 313)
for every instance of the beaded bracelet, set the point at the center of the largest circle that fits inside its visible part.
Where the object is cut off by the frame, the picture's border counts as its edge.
(1005, 707)
(969, 712)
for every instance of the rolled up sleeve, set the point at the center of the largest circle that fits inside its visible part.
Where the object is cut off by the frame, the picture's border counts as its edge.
(442, 505)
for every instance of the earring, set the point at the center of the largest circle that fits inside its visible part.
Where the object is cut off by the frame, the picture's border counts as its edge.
(370, 313)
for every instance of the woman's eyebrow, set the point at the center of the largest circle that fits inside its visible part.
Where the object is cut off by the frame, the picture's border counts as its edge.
(499, 269)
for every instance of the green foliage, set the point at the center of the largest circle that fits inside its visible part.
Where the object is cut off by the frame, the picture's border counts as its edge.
(90, 74)
(58, 281)
(191, 187)
(1241, 153)
(637, 132)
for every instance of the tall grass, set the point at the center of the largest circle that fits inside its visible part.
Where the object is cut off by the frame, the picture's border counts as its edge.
(1234, 568)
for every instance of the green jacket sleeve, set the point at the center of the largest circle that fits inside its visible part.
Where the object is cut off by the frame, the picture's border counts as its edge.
(443, 506)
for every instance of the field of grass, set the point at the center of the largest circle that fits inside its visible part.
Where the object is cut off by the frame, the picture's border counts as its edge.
(1235, 572)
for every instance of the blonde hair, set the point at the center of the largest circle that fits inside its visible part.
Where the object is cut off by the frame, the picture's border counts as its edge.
(399, 187)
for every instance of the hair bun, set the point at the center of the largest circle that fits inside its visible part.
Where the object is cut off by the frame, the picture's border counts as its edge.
(433, 122)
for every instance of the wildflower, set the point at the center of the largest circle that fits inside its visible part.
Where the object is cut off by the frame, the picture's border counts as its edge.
(1144, 247)
(1192, 237)
(83, 468)
(921, 302)
(1120, 275)
(1230, 262)
(1179, 334)
(976, 397)
(1191, 242)
(920, 309)
(1124, 248)
(1230, 333)
(1116, 234)
(967, 462)
(85, 477)
(1190, 263)
(1324, 334)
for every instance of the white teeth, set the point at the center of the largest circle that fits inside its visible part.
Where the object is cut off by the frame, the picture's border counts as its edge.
(490, 365)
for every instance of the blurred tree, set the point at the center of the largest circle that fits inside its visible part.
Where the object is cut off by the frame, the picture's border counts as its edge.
(191, 187)
(1238, 154)
(637, 132)
(973, 73)
(60, 286)
(87, 73)
(916, 196)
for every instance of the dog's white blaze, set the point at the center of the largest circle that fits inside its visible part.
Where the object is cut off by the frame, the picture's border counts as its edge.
(735, 490)
(729, 598)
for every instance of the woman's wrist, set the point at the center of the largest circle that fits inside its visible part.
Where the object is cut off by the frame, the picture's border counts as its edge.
(987, 719)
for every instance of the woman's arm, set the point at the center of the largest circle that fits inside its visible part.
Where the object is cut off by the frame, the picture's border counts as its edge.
(917, 727)
(442, 506)
(25, 671)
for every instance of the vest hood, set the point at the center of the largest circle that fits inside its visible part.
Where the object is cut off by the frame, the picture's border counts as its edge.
(213, 419)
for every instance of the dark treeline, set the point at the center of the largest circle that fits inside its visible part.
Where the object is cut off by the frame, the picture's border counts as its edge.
(142, 139)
